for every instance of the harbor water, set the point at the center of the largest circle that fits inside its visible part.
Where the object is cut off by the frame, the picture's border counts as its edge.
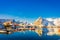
(27, 35)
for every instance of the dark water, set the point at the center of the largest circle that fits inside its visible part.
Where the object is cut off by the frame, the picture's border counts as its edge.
(28, 35)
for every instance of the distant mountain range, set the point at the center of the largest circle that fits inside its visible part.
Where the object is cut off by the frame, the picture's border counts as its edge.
(45, 21)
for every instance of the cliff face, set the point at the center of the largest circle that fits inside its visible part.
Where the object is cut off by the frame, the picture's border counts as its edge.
(38, 22)
(5, 20)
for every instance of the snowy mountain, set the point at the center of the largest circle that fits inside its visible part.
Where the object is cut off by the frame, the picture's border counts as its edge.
(51, 21)
(46, 22)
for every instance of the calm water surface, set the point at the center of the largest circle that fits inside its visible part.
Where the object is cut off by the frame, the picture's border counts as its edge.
(27, 35)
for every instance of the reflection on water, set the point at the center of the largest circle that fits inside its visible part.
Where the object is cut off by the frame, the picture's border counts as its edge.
(27, 35)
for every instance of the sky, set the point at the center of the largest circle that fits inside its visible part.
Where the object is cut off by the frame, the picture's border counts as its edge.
(29, 9)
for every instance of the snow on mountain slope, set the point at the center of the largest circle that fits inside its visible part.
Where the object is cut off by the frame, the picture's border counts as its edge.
(52, 21)
(46, 22)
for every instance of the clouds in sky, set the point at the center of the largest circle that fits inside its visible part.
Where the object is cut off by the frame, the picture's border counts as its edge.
(5, 16)
(50, 19)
